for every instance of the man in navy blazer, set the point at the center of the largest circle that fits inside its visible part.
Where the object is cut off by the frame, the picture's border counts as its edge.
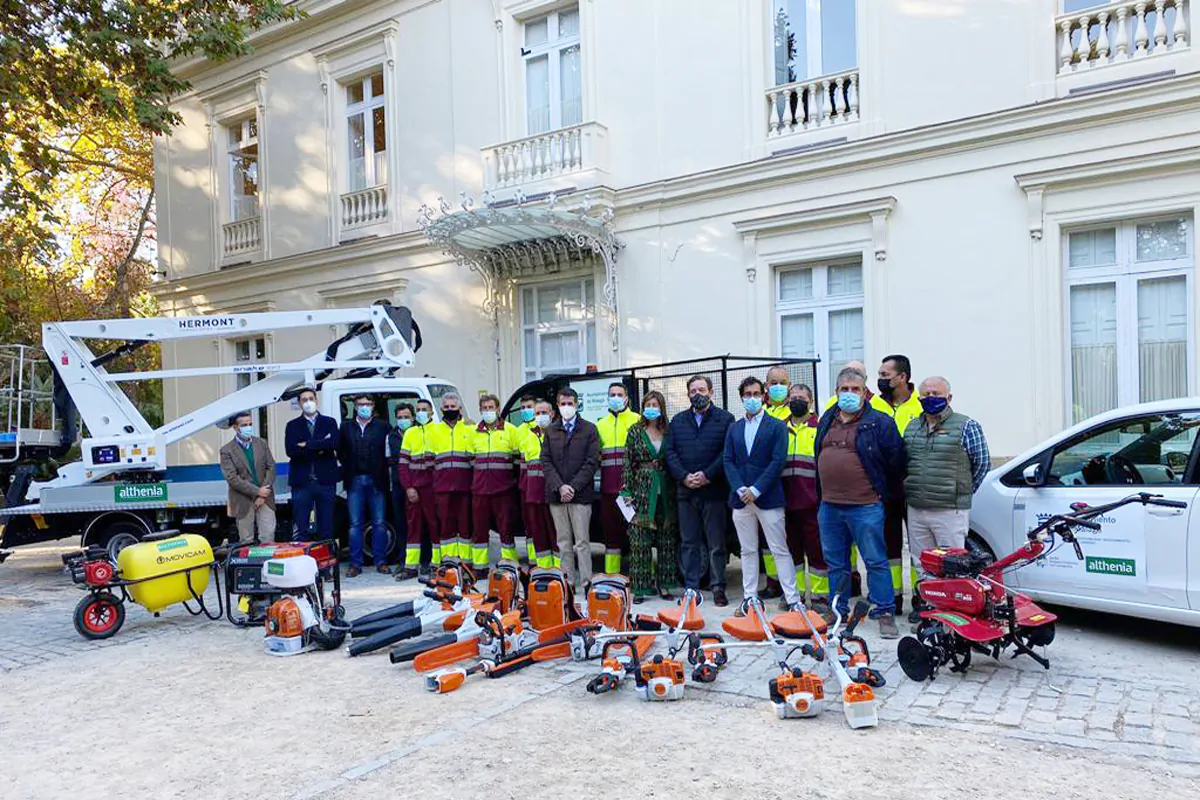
(311, 441)
(755, 452)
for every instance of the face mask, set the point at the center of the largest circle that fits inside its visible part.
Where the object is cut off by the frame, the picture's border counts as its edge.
(616, 404)
(404, 423)
(422, 417)
(489, 416)
(651, 413)
(246, 431)
(849, 402)
(777, 392)
(527, 415)
(885, 387)
(753, 405)
(799, 408)
(934, 405)
(543, 420)
(451, 414)
(700, 402)
(567, 412)
(364, 412)
(308, 407)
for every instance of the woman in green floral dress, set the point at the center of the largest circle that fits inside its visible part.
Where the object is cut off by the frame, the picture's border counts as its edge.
(650, 489)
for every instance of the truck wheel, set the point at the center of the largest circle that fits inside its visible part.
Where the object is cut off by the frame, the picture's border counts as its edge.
(979, 547)
(368, 539)
(99, 615)
(115, 532)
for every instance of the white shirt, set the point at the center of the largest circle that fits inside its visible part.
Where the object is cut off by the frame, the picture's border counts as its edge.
(752, 426)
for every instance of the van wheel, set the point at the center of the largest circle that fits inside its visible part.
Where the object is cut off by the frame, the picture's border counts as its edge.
(369, 535)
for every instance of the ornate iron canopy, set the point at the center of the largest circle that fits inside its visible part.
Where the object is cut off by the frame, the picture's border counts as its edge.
(503, 243)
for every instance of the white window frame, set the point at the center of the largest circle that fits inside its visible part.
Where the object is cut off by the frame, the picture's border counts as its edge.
(587, 290)
(1126, 274)
(262, 414)
(820, 305)
(812, 35)
(552, 49)
(247, 129)
(366, 108)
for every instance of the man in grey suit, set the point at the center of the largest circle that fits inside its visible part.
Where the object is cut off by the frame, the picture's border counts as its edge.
(249, 469)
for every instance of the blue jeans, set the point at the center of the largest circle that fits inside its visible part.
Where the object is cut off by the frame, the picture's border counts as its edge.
(842, 526)
(303, 500)
(362, 489)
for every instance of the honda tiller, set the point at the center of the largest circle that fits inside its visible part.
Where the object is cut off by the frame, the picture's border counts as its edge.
(972, 610)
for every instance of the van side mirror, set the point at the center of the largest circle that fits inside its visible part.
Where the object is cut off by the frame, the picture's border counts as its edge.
(1033, 475)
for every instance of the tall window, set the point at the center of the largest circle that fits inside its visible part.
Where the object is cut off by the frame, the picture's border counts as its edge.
(1130, 314)
(820, 310)
(245, 353)
(366, 132)
(558, 322)
(553, 88)
(243, 169)
(811, 38)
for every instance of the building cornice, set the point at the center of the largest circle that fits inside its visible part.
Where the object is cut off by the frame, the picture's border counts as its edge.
(1061, 116)
(404, 244)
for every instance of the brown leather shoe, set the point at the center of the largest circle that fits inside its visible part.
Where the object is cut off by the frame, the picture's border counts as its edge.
(353, 572)
(383, 568)
(719, 598)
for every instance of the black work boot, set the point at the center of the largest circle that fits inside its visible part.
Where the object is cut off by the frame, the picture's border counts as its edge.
(772, 591)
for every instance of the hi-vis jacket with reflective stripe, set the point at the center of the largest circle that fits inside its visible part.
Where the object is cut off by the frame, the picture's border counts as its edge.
(451, 449)
(494, 448)
(782, 412)
(800, 470)
(533, 477)
(614, 430)
(415, 462)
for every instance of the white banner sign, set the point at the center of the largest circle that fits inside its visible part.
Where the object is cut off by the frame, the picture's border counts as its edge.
(1113, 555)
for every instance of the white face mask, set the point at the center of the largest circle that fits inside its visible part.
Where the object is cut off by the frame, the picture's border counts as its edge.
(567, 412)
(489, 416)
(308, 407)
(543, 420)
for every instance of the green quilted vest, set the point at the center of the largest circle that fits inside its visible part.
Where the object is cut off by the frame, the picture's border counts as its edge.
(939, 471)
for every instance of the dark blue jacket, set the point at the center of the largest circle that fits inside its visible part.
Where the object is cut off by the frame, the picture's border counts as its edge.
(699, 449)
(318, 457)
(880, 450)
(371, 443)
(762, 466)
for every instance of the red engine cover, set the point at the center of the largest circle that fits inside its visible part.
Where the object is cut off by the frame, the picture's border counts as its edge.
(965, 595)
(98, 573)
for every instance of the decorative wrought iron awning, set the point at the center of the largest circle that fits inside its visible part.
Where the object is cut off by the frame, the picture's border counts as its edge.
(503, 243)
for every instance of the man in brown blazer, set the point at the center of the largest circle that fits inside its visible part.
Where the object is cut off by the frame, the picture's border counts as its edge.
(249, 469)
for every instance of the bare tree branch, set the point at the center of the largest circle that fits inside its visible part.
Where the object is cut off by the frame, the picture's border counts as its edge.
(119, 293)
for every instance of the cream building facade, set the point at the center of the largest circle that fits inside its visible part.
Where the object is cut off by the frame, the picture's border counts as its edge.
(1004, 190)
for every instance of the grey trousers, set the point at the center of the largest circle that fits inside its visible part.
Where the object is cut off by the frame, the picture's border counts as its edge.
(571, 524)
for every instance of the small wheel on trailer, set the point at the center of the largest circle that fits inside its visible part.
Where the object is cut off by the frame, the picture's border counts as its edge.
(99, 615)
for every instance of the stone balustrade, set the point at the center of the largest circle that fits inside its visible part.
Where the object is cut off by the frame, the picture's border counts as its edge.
(364, 207)
(546, 155)
(810, 104)
(243, 236)
(1120, 32)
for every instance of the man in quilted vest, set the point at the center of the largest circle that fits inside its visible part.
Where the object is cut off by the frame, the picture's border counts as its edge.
(947, 461)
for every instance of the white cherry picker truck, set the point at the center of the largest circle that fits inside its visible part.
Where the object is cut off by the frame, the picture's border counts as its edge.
(121, 488)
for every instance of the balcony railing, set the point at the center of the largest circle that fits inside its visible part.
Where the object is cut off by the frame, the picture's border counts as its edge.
(817, 103)
(1121, 32)
(546, 155)
(364, 207)
(243, 236)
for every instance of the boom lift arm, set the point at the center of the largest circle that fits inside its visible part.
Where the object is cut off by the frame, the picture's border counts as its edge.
(380, 339)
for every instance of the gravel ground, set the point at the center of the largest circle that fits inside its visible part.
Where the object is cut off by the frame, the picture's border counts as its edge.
(183, 707)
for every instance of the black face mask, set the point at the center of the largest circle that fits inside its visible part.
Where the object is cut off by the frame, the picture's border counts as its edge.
(700, 402)
(451, 414)
(885, 388)
(799, 408)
